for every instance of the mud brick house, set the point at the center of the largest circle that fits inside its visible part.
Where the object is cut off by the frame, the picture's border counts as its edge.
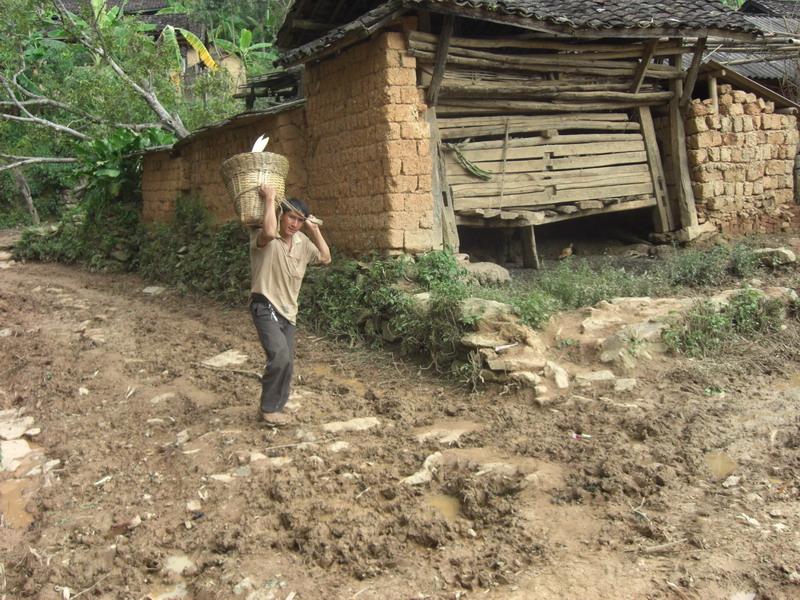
(422, 121)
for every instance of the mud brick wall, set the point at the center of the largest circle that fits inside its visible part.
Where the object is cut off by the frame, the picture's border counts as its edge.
(193, 167)
(369, 158)
(742, 163)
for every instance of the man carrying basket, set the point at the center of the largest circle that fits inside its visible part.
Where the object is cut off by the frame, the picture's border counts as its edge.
(279, 255)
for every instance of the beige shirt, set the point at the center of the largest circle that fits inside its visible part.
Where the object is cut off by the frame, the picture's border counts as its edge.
(276, 271)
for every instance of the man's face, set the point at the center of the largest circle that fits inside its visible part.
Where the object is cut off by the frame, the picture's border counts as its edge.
(292, 222)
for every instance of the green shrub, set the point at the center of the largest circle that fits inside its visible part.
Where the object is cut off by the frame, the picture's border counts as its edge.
(744, 262)
(705, 330)
(192, 254)
(696, 268)
(100, 235)
(575, 284)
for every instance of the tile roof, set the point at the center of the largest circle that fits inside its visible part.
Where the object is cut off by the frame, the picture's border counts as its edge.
(616, 14)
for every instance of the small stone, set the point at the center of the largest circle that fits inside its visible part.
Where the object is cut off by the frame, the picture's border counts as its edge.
(162, 397)
(15, 428)
(82, 391)
(153, 290)
(340, 446)
(558, 373)
(221, 477)
(193, 506)
(731, 481)
(12, 452)
(182, 437)
(625, 384)
(229, 358)
(487, 273)
(360, 424)
(6, 332)
(525, 378)
(593, 377)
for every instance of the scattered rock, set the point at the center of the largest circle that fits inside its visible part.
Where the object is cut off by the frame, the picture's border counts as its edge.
(6, 332)
(775, 257)
(482, 340)
(221, 477)
(12, 452)
(179, 565)
(15, 428)
(488, 273)
(360, 424)
(153, 290)
(625, 384)
(340, 446)
(425, 474)
(520, 358)
(162, 397)
(446, 433)
(228, 358)
(594, 377)
(193, 506)
(558, 374)
(526, 378)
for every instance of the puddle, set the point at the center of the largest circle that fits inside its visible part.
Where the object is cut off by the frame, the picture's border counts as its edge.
(13, 500)
(327, 372)
(178, 564)
(720, 464)
(448, 506)
(175, 593)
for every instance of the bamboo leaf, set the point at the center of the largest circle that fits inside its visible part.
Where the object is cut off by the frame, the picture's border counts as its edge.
(199, 47)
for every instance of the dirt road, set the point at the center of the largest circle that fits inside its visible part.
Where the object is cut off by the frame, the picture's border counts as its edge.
(152, 478)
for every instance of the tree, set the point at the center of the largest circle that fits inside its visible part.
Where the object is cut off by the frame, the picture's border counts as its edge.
(86, 89)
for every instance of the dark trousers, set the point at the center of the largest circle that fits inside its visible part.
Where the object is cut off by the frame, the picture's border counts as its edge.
(277, 338)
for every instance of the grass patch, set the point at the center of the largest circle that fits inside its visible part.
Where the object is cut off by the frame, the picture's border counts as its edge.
(706, 330)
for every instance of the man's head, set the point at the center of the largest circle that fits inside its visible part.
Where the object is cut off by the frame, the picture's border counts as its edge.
(293, 220)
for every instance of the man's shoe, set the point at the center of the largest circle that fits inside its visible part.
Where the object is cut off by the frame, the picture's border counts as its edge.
(275, 419)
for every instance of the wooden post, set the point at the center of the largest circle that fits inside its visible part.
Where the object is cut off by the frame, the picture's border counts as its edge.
(530, 255)
(445, 232)
(662, 216)
(712, 89)
(678, 155)
(691, 75)
(441, 59)
(641, 69)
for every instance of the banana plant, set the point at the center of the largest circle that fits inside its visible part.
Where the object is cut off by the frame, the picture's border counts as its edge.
(244, 47)
(169, 36)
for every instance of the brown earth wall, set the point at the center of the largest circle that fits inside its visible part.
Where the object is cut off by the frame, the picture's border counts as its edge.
(369, 158)
(742, 163)
(193, 168)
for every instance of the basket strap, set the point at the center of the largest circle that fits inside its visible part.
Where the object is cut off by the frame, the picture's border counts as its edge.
(246, 190)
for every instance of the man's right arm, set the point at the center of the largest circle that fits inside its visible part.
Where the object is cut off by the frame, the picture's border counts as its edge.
(269, 226)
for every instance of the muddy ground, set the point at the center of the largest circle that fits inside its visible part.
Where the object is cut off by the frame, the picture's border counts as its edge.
(152, 478)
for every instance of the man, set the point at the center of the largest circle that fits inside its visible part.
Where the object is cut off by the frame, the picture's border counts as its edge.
(279, 255)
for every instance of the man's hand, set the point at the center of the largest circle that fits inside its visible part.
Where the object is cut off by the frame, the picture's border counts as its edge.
(311, 229)
(267, 192)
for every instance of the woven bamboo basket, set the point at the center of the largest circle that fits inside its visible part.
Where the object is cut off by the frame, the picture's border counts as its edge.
(244, 173)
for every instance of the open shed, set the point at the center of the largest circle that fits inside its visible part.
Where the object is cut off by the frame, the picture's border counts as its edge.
(425, 121)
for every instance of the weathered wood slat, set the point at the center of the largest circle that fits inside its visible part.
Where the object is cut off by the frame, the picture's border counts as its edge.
(527, 218)
(550, 196)
(554, 150)
(516, 128)
(624, 70)
(663, 216)
(559, 183)
(554, 61)
(502, 106)
(527, 170)
(633, 49)
(557, 139)
(547, 120)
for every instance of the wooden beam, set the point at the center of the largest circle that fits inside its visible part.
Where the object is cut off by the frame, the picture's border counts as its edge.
(662, 214)
(530, 255)
(714, 93)
(741, 82)
(445, 230)
(679, 158)
(691, 74)
(641, 70)
(441, 59)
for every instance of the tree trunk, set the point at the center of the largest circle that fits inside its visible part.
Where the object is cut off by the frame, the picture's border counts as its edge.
(25, 190)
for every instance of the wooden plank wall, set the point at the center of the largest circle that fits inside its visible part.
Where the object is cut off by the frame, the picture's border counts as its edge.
(537, 131)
